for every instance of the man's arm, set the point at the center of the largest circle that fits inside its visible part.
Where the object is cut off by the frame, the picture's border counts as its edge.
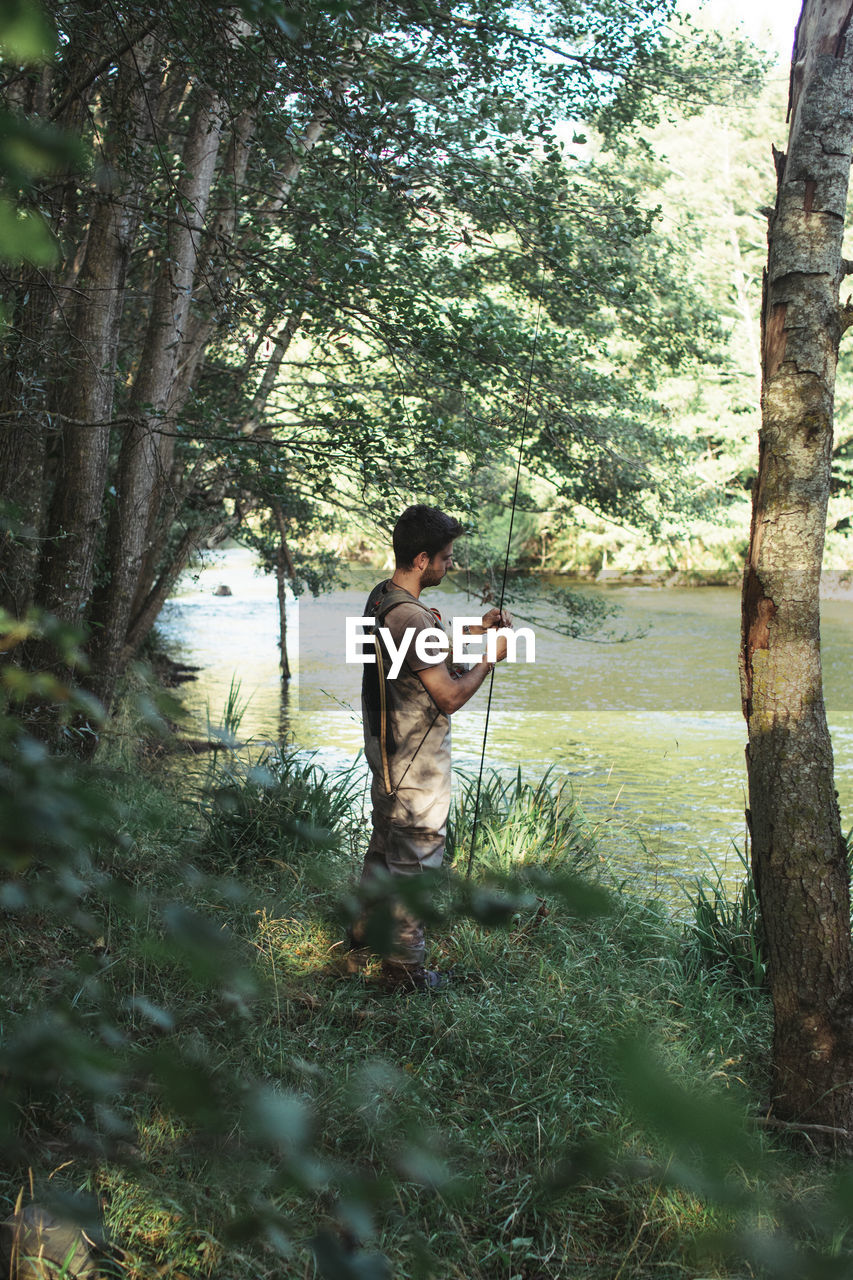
(449, 693)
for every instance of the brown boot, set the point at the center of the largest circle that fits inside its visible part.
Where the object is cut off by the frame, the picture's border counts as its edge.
(356, 954)
(406, 978)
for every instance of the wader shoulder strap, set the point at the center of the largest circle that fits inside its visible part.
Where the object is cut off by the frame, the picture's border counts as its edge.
(387, 597)
(383, 714)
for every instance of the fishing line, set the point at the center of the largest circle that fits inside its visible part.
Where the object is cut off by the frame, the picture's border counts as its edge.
(503, 581)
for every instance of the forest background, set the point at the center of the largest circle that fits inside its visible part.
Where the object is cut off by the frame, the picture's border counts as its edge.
(281, 293)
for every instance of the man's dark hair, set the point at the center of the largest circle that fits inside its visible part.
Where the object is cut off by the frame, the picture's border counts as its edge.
(420, 529)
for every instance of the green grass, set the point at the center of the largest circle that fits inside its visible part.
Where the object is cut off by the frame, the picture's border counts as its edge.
(493, 1128)
(519, 823)
(276, 807)
(725, 939)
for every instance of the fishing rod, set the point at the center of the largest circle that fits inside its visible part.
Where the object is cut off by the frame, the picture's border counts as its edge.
(503, 580)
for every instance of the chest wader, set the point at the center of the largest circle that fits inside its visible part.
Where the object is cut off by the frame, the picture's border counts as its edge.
(376, 687)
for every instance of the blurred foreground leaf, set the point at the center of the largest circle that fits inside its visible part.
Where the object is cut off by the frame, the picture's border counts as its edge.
(706, 1133)
(26, 34)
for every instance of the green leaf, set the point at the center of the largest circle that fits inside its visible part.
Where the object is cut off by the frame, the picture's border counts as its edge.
(25, 236)
(26, 34)
(278, 1119)
(418, 1163)
(188, 1088)
(706, 1135)
(336, 1263)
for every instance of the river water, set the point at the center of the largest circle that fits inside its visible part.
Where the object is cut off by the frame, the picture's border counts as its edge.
(649, 731)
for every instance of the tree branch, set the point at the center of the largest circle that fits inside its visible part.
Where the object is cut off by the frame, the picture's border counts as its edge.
(845, 315)
(108, 60)
(771, 1122)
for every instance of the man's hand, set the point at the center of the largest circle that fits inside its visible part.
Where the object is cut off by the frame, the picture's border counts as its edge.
(494, 618)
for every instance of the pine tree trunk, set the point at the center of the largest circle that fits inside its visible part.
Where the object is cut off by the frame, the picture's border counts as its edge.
(798, 853)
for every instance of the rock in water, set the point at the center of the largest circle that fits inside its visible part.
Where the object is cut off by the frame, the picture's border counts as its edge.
(223, 590)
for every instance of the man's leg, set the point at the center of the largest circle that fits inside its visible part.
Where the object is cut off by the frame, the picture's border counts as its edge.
(399, 849)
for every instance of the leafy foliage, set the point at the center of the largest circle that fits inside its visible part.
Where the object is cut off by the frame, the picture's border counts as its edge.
(151, 1028)
(279, 806)
(28, 150)
(394, 210)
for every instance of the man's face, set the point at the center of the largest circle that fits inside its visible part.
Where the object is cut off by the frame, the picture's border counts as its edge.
(438, 566)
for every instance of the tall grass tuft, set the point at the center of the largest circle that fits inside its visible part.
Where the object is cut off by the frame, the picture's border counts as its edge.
(520, 824)
(724, 937)
(278, 806)
(233, 714)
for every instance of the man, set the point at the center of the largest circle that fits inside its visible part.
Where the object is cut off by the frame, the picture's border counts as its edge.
(407, 728)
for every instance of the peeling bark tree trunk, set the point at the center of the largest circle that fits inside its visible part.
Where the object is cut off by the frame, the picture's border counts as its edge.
(798, 852)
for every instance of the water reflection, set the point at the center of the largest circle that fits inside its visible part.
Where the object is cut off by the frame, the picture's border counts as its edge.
(650, 731)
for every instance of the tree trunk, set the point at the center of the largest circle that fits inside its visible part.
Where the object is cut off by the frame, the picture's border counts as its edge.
(140, 458)
(283, 571)
(22, 460)
(281, 341)
(149, 609)
(203, 535)
(169, 489)
(172, 487)
(281, 588)
(34, 347)
(157, 580)
(87, 395)
(798, 853)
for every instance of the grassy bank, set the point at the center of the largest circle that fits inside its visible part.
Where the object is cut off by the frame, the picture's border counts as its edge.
(271, 1116)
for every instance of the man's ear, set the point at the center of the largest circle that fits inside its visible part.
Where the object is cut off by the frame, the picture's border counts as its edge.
(421, 561)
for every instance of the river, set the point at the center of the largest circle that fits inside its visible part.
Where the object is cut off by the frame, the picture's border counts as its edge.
(649, 731)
